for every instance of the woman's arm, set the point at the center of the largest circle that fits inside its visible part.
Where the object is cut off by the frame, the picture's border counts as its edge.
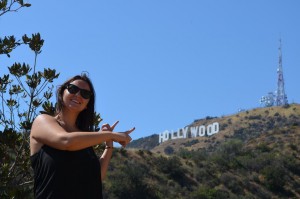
(106, 156)
(46, 130)
(105, 159)
(107, 153)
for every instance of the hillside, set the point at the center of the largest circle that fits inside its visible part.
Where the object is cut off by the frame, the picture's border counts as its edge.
(255, 155)
(146, 143)
(244, 125)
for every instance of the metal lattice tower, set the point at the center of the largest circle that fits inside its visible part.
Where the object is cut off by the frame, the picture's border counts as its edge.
(280, 96)
(277, 98)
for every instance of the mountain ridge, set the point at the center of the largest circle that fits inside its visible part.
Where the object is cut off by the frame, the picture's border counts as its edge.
(255, 155)
(235, 125)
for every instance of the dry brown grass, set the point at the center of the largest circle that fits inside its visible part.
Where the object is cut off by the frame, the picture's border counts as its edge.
(233, 123)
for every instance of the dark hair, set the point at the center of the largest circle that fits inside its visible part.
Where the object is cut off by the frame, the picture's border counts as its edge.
(85, 119)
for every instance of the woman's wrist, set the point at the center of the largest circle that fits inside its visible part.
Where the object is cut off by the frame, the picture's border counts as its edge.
(109, 144)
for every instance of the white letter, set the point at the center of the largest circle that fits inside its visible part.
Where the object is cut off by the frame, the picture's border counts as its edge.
(213, 128)
(194, 131)
(174, 135)
(180, 133)
(161, 137)
(201, 131)
(209, 129)
(216, 127)
(185, 132)
(164, 136)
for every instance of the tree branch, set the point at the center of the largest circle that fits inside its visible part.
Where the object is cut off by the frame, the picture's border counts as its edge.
(10, 9)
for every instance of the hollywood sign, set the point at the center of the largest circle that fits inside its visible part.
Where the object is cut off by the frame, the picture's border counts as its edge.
(197, 131)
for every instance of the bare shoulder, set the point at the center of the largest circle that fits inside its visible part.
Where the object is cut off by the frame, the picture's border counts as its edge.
(43, 118)
(43, 121)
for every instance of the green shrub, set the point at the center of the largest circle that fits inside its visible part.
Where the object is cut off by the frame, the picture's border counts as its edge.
(293, 147)
(184, 153)
(123, 152)
(208, 193)
(274, 177)
(232, 183)
(191, 143)
(263, 147)
(254, 117)
(169, 150)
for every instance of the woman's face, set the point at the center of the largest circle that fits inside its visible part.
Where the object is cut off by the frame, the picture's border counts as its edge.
(75, 101)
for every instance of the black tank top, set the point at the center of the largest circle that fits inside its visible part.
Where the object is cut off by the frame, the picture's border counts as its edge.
(66, 174)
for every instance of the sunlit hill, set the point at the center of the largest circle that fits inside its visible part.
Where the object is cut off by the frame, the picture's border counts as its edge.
(254, 155)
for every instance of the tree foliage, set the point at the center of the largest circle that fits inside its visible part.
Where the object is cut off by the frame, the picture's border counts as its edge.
(24, 91)
(11, 6)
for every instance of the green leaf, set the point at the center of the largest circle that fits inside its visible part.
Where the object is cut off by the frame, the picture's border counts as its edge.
(11, 102)
(48, 108)
(21, 2)
(22, 114)
(8, 44)
(36, 43)
(15, 69)
(25, 39)
(3, 4)
(26, 125)
(96, 120)
(3, 83)
(50, 74)
(9, 136)
(16, 89)
(33, 80)
(36, 102)
(48, 95)
(25, 69)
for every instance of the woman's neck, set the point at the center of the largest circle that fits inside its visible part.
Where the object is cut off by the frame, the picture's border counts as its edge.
(67, 119)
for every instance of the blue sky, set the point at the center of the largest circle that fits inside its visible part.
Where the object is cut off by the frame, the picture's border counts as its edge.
(159, 65)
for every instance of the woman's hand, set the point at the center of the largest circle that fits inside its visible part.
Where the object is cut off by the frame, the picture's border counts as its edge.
(122, 138)
(107, 127)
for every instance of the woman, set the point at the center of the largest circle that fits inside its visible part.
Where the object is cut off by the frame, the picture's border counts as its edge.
(64, 162)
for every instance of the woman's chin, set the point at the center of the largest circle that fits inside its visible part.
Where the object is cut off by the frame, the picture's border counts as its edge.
(76, 108)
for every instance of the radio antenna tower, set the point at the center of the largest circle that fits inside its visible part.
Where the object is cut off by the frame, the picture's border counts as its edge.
(278, 98)
(281, 98)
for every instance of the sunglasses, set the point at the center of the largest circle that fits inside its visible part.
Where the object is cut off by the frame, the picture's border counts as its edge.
(73, 89)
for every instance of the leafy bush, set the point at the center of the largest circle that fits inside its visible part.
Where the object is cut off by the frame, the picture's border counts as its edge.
(232, 183)
(286, 106)
(274, 177)
(23, 94)
(191, 143)
(223, 126)
(184, 153)
(129, 182)
(276, 114)
(255, 117)
(141, 152)
(123, 152)
(263, 147)
(199, 156)
(293, 147)
(169, 150)
(208, 193)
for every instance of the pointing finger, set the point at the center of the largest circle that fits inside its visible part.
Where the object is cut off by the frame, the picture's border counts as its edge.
(128, 132)
(114, 125)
